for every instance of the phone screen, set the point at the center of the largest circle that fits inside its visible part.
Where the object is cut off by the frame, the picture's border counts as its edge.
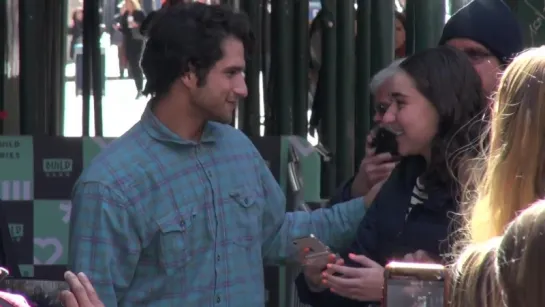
(410, 292)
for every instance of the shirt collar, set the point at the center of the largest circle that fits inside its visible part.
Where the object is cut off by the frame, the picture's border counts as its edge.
(158, 131)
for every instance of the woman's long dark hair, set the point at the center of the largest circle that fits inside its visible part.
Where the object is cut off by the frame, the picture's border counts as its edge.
(446, 77)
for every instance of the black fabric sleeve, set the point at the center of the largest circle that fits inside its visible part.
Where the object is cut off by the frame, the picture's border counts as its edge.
(343, 193)
(139, 17)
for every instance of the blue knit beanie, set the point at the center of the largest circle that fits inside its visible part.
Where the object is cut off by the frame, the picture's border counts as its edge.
(490, 23)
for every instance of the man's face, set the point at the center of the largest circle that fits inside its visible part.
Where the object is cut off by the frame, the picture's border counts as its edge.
(381, 100)
(218, 96)
(486, 64)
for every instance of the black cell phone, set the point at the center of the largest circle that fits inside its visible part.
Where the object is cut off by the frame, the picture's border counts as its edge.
(385, 141)
(415, 284)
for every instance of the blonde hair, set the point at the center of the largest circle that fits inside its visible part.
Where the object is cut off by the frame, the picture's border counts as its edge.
(519, 261)
(473, 282)
(512, 176)
(134, 3)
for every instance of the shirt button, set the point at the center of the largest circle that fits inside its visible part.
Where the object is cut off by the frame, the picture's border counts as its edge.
(209, 174)
(218, 257)
(218, 299)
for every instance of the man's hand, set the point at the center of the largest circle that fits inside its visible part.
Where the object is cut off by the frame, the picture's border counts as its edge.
(373, 169)
(361, 284)
(81, 293)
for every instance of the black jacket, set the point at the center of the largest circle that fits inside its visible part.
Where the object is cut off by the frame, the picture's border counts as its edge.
(384, 234)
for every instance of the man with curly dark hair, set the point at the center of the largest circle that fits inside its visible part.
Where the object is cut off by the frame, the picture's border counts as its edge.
(182, 210)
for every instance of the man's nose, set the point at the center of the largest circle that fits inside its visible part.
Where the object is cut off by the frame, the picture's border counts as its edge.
(389, 116)
(377, 118)
(240, 89)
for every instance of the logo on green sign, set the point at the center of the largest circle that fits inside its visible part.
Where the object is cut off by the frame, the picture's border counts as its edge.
(16, 231)
(57, 167)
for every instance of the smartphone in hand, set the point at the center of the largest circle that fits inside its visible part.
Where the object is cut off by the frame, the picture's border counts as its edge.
(385, 141)
(318, 253)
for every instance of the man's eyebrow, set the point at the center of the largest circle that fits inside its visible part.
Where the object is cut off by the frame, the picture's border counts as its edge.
(397, 95)
(235, 68)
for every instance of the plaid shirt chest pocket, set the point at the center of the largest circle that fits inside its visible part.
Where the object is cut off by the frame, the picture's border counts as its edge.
(245, 210)
(175, 241)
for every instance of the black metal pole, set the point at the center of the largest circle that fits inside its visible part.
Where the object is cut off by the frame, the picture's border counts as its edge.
(33, 77)
(411, 7)
(346, 73)
(55, 13)
(87, 67)
(328, 72)
(97, 66)
(362, 107)
(428, 23)
(251, 109)
(382, 35)
(282, 23)
(300, 67)
(4, 42)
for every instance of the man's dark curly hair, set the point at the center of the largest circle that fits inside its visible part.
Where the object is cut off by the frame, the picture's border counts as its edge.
(188, 37)
(446, 77)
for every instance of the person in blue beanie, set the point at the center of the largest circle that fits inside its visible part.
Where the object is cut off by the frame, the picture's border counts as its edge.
(489, 33)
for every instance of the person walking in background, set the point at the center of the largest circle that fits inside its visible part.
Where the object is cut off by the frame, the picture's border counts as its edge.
(133, 41)
(75, 28)
(117, 39)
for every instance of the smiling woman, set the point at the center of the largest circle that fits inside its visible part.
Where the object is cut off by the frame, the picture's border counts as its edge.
(436, 111)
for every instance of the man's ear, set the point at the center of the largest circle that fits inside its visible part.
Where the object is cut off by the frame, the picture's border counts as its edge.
(189, 79)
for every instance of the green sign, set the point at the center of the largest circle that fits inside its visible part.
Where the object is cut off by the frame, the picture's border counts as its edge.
(35, 187)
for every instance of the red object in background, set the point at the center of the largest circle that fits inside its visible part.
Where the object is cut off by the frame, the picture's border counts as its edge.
(3, 115)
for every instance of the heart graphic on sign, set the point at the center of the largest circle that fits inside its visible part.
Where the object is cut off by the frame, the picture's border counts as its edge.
(46, 242)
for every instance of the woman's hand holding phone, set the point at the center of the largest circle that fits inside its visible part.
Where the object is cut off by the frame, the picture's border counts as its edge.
(313, 270)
